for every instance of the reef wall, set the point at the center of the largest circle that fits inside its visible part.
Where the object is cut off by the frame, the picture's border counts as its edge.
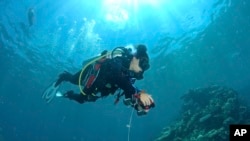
(206, 115)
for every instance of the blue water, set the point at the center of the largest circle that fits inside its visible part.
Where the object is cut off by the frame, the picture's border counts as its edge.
(191, 44)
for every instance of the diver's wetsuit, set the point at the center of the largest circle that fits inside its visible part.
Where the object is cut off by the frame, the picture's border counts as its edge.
(112, 76)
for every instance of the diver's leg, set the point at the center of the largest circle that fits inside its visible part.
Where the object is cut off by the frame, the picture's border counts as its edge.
(66, 76)
(76, 97)
(80, 98)
(72, 78)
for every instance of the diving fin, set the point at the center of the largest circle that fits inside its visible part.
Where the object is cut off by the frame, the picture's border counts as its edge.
(50, 92)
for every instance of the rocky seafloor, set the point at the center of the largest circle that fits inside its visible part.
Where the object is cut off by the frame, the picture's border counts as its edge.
(206, 114)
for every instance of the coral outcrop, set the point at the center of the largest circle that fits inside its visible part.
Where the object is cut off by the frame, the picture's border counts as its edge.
(206, 115)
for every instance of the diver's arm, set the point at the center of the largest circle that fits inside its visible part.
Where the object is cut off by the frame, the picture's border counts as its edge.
(120, 78)
(126, 85)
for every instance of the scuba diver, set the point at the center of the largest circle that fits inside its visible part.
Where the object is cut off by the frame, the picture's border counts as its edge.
(112, 72)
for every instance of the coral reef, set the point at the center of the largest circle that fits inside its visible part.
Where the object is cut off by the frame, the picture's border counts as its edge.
(206, 115)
